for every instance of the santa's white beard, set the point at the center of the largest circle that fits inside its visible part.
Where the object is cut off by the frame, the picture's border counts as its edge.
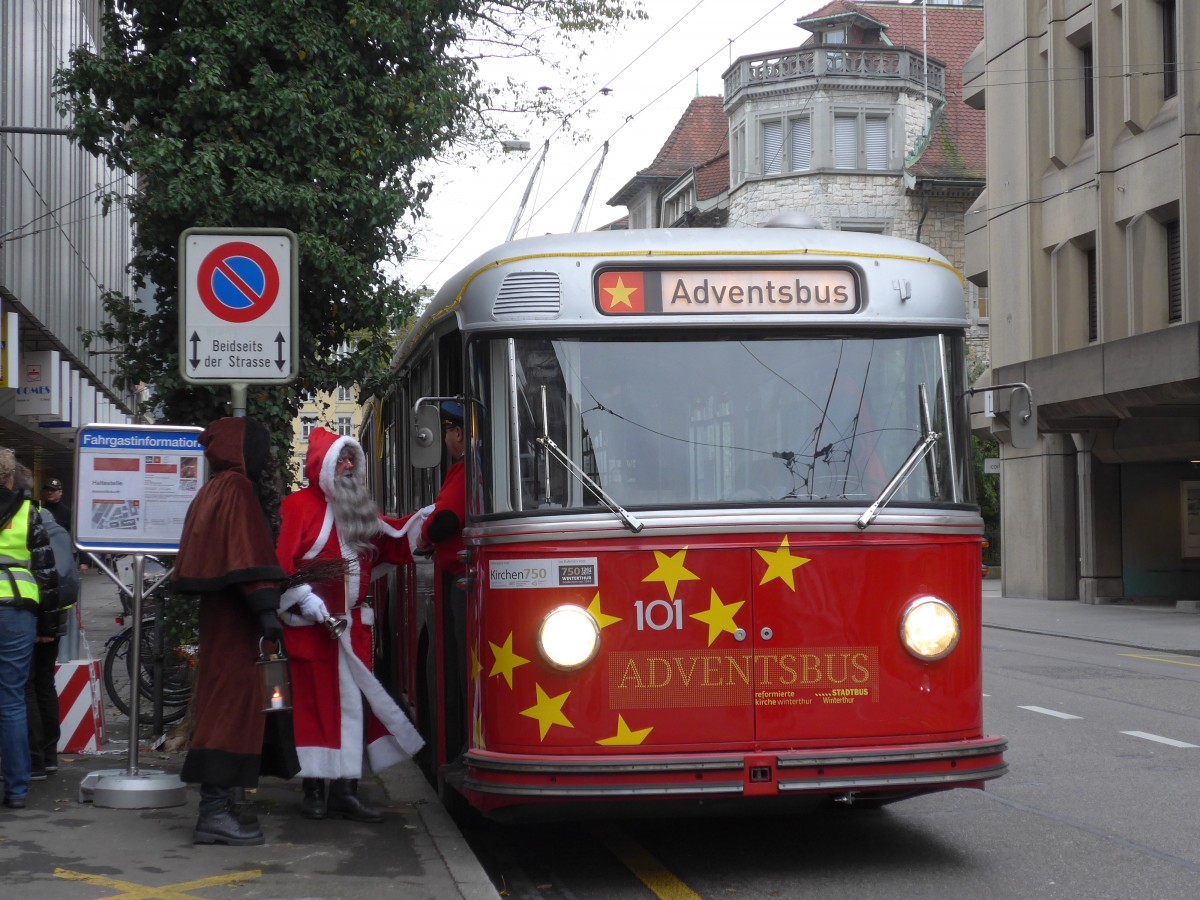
(354, 513)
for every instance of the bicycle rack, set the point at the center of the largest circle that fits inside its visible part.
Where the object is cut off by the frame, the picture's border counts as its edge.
(133, 787)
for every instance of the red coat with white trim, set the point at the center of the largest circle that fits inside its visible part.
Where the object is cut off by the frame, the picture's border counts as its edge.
(329, 675)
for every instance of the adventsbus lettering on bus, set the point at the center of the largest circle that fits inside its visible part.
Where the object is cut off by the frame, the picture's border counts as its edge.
(711, 291)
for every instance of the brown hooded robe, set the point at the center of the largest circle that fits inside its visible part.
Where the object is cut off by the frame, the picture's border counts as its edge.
(227, 557)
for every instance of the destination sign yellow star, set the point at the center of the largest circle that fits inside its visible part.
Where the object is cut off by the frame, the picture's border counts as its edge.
(619, 294)
(624, 736)
(781, 564)
(506, 660)
(601, 619)
(670, 571)
(548, 711)
(719, 617)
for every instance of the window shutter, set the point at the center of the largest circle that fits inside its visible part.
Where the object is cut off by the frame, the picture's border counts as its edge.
(801, 144)
(772, 137)
(845, 142)
(877, 143)
(1174, 273)
(1093, 304)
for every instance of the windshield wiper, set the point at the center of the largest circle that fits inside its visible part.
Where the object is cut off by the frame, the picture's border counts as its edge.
(629, 521)
(552, 449)
(918, 453)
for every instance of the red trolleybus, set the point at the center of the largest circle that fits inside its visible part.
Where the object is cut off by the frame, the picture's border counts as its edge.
(720, 539)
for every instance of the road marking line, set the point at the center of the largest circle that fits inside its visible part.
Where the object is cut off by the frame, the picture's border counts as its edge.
(134, 891)
(1050, 712)
(1166, 659)
(1162, 740)
(661, 881)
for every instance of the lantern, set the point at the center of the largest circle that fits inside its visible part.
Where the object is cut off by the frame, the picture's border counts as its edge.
(274, 679)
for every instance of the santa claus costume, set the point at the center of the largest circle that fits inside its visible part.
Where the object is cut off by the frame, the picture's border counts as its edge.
(331, 676)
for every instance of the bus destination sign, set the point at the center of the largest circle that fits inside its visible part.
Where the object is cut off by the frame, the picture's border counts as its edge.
(718, 292)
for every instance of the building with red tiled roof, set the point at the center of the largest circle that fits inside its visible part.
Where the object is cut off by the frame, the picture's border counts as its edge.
(658, 194)
(863, 126)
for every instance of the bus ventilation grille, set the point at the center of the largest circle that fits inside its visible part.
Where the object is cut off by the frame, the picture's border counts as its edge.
(529, 295)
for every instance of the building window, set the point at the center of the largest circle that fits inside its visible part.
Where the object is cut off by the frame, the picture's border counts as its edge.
(1174, 273)
(877, 142)
(1093, 302)
(845, 142)
(1170, 49)
(772, 142)
(345, 394)
(801, 144)
(308, 397)
(1089, 92)
(345, 425)
(307, 424)
(737, 156)
(855, 132)
(793, 156)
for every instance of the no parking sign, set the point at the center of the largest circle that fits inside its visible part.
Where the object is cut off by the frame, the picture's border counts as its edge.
(239, 313)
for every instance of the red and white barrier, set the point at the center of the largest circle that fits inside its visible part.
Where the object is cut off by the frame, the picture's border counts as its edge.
(80, 706)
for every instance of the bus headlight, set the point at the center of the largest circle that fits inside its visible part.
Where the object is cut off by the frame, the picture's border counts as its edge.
(929, 628)
(568, 638)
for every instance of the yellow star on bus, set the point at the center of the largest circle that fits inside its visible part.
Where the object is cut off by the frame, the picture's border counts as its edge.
(624, 736)
(618, 295)
(670, 571)
(476, 665)
(548, 711)
(719, 617)
(601, 619)
(781, 564)
(506, 660)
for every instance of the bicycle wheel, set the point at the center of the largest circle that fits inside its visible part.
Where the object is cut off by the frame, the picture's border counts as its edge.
(177, 671)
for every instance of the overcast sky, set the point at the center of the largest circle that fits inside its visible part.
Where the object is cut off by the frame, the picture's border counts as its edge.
(654, 68)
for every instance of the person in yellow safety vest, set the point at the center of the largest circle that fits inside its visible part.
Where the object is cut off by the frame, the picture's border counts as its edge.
(28, 607)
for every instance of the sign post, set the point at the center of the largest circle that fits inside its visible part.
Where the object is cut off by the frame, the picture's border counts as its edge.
(134, 486)
(239, 315)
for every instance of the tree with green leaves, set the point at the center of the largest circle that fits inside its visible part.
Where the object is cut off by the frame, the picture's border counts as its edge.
(311, 115)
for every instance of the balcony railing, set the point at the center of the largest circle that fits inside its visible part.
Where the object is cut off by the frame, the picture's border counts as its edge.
(834, 62)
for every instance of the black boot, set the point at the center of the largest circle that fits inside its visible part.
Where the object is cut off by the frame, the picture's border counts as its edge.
(218, 824)
(240, 807)
(313, 805)
(343, 801)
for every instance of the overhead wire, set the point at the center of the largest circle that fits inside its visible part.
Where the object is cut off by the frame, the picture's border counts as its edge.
(626, 121)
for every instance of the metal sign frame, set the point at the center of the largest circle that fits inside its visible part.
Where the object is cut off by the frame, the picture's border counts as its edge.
(149, 477)
(193, 308)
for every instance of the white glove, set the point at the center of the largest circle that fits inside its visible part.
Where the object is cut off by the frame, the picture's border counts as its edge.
(414, 525)
(313, 608)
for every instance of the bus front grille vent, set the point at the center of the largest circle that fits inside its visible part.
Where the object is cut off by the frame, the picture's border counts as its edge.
(529, 295)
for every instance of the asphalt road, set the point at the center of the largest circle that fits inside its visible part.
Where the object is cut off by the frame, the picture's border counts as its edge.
(1100, 802)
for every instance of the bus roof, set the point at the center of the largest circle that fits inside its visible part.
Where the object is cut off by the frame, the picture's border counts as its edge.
(549, 282)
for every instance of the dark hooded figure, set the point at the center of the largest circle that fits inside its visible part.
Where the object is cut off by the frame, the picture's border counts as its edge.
(227, 557)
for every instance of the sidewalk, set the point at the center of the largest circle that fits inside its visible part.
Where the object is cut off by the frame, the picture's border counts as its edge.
(62, 849)
(1143, 626)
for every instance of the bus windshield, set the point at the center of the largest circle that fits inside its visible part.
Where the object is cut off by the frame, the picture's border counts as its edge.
(730, 420)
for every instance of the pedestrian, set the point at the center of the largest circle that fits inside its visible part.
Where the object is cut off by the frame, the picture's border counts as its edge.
(335, 519)
(441, 534)
(52, 502)
(27, 581)
(41, 695)
(227, 557)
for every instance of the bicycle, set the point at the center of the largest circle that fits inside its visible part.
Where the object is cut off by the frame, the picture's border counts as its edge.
(178, 659)
(178, 671)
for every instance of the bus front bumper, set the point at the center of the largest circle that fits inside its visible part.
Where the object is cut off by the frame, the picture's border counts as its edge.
(891, 772)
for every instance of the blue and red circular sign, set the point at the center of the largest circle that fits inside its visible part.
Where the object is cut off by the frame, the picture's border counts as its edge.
(238, 282)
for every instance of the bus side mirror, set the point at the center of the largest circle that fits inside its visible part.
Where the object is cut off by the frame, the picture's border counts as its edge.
(1022, 418)
(425, 444)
